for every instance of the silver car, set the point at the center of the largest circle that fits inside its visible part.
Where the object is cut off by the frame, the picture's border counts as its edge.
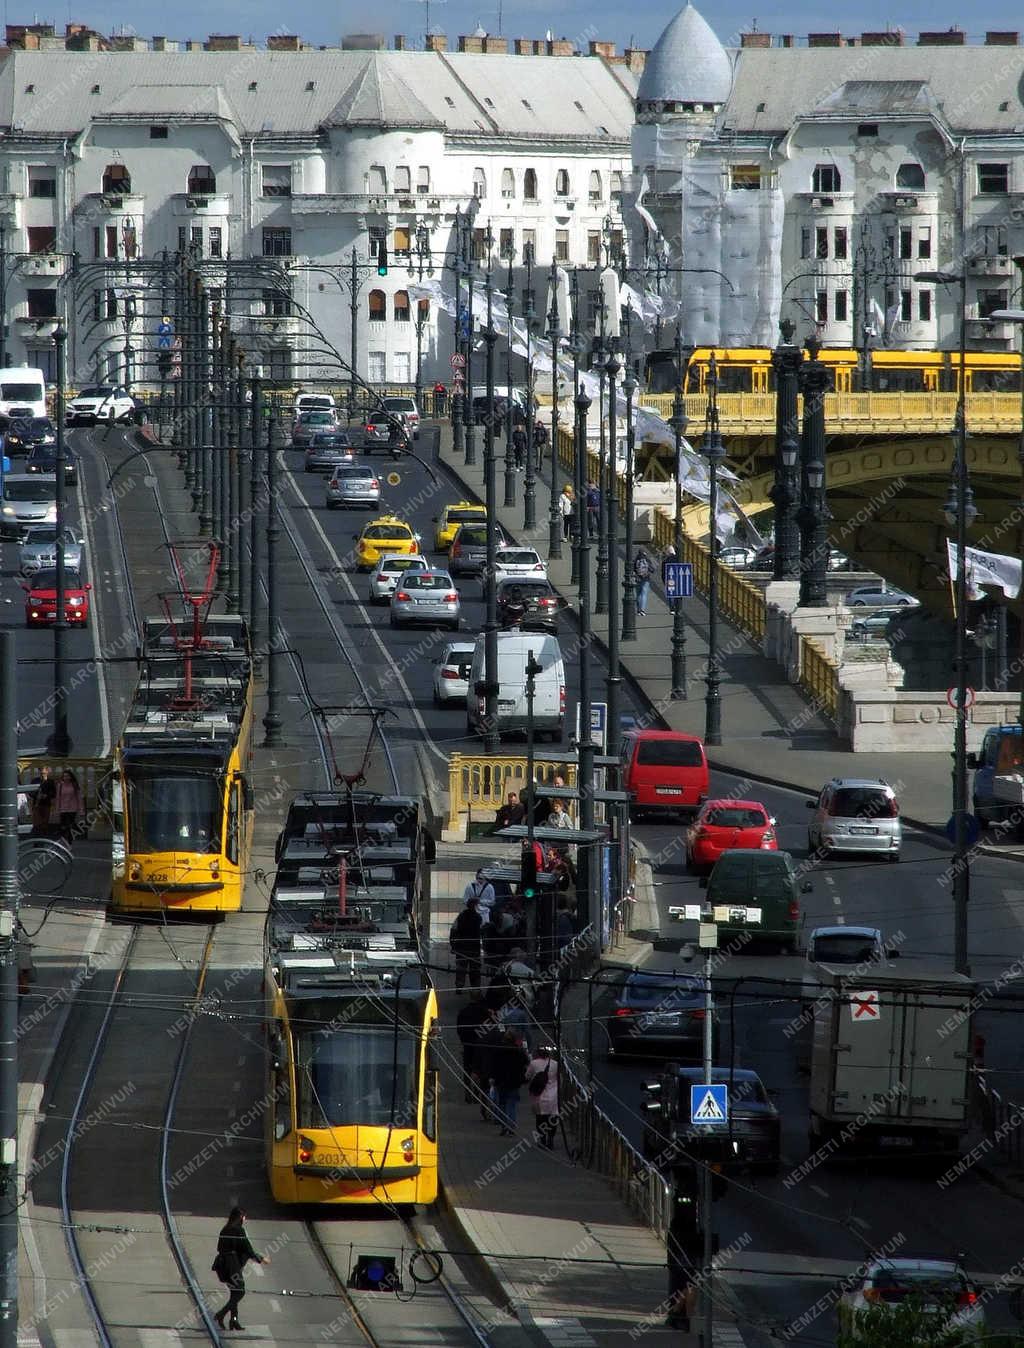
(451, 677)
(308, 424)
(351, 486)
(27, 499)
(856, 814)
(426, 597)
(389, 571)
(521, 562)
(407, 411)
(328, 450)
(38, 551)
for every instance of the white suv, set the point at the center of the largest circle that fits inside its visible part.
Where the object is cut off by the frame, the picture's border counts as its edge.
(406, 409)
(100, 402)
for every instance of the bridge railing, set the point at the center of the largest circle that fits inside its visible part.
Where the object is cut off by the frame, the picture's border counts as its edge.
(914, 412)
(819, 677)
(479, 783)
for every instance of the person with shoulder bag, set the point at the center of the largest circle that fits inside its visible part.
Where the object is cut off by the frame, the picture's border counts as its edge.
(642, 577)
(234, 1251)
(542, 1086)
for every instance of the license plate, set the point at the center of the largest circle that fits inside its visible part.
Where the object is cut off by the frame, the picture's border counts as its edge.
(507, 705)
(662, 1019)
(668, 791)
(854, 829)
(897, 1141)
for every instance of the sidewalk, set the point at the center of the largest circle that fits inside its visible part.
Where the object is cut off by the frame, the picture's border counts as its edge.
(771, 732)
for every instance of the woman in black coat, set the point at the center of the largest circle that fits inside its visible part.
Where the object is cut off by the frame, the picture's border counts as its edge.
(233, 1253)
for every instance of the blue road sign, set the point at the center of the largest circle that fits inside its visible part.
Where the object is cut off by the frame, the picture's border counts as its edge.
(598, 723)
(973, 829)
(164, 342)
(166, 328)
(679, 580)
(709, 1105)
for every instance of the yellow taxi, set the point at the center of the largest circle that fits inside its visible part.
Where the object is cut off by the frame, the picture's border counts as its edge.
(387, 534)
(463, 512)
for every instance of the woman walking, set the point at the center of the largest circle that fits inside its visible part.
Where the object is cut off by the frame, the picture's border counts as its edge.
(542, 1085)
(68, 802)
(567, 509)
(42, 804)
(233, 1253)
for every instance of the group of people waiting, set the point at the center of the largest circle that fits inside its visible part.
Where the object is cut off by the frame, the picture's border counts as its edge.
(57, 806)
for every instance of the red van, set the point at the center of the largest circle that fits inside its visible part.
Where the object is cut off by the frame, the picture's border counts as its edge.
(663, 770)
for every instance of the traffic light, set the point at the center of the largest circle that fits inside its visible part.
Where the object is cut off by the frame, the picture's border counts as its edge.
(382, 257)
(528, 874)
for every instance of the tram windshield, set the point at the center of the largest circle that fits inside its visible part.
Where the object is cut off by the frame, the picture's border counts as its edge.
(353, 1075)
(173, 814)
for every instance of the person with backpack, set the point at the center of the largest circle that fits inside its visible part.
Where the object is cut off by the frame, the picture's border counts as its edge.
(465, 942)
(642, 577)
(481, 889)
(540, 439)
(508, 1062)
(542, 1087)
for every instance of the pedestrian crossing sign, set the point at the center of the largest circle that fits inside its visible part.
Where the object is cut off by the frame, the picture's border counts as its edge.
(709, 1105)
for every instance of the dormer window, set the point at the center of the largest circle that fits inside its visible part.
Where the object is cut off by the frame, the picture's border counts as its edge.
(116, 180)
(95, 89)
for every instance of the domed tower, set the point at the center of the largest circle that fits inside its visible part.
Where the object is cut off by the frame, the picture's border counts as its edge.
(688, 73)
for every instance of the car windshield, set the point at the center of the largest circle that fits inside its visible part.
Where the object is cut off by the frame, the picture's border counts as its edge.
(26, 392)
(97, 391)
(310, 402)
(47, 580)
(403, 564)
(25, 426)
(897, 1283)
(462, 515)
(860, 802)
(32, 490)
(529, 589)
(48, 452)
(431, 580)
(669, 754)
(387, 531)
(323, 441)
(522, 558)
(40, 535)
(400, 404)
(664, 990)
(734, 816)
(748, 1088)
(847, 948)
(316, 419)
(353, 474)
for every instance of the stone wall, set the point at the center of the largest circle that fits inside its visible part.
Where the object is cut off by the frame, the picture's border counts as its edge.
(873, 720)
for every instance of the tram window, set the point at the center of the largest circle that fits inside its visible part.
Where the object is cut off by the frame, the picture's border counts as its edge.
(167, 814)
(430, 1091)
(353, 1077)
(282, 1101)
(995, 381)
(231, 839)
(734, 378)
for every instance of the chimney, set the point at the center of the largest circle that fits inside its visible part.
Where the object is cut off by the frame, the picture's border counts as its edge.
(755, 39)
(636, 59)
(192, 45)
(560, 47)
(399, 42)
(284, 42)
(471, 43)
(496, 46)
(893, 38)
(824, 39)
(128, 42)
(786, 40)
(524, 46)
(166, 44)
(223, 42)
(1002, 39)
(437, 42)
(952, 37)
(603, 49)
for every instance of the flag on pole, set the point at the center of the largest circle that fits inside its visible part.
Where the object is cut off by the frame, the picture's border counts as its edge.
(986, 568)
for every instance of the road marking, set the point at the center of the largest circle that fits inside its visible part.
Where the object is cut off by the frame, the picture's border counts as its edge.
(822, 1193)
(94, 626)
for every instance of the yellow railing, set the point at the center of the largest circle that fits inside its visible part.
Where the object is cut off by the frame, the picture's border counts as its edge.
(479, 784)
(94, 781)
(911, 412)
(819, 677)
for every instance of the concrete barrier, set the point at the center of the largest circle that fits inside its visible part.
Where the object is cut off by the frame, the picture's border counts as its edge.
(891, 721)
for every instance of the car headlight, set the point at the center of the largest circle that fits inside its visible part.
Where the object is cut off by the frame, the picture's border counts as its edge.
(48, 440)
(8, 510)
(76, 601)
(34, 603)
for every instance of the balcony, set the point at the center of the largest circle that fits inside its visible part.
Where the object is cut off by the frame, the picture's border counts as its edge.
(841, 203)
(200, 203)
(908, 201)
(44, 264)
(984, 265)
(276, 326)
(331, 203)
(115, 203)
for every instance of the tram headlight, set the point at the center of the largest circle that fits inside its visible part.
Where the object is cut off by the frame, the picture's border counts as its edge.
(134, 871)
(306, 1148)
(408, 1145)
(215, 867)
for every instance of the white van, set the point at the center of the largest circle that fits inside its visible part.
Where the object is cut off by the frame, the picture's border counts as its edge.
(22, 392)
(549, 685)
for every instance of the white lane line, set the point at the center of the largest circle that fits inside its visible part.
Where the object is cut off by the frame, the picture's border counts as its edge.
(94, 626)
(822, 1193)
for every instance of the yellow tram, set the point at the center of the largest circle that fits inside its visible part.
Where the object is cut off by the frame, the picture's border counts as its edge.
(182, 801)
(351, 1012)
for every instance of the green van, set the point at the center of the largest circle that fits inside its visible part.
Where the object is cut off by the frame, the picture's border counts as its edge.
(756, 894)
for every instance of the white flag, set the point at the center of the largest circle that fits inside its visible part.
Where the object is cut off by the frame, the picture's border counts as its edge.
(987, 568)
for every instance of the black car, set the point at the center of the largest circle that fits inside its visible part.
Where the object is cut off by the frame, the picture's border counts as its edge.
(523, 602)
(753, 1135)
(43, 459)
(24, 433)
(657, 1013)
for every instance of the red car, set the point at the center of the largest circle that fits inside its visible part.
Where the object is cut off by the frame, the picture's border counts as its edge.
(41, 603)
(722, 824)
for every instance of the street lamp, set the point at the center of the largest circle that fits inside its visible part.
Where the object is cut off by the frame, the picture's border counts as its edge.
(960, 514)
(585, 744)
(529, 319)
(613, 683)
(422, 312)
(458, 426)
(600, 360)
(678, 421)
(785, 493)
(813, 515)
(578, 345)
(422, 248)
(629, 387)
(714, 451)
(469, 414)
(60, 744)
(555, 337)
(491, 687)
(510, 467)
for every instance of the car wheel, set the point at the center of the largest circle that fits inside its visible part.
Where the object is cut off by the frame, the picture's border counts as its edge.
(454, 627)
(856, 603)
(894, 858)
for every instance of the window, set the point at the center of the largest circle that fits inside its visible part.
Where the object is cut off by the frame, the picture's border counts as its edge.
(378, 310)
(401, 306)
(182, 239)
(805, 241)
(821, 306)
(594, 192)
(615, 185)
(867, 129)
(277, 180)
(507, 244)
(479, 183)
(992, 239)
(403, 179)
(116, 179)
(821, 241)
(277, 304)
(508, 183)
(481, 244)
(561, 245)
(839, 243)
(910, 175)
(840, 303)
(825, 178)
(988, 302)
(216, 241)
(377, 180)
(562, 183)
(158, 133)
(42, 238)
(42, 182)
(593, 245)
(423, 178)
(111, 241)
(529, 245)
(376, 366)
(924, 241)
(277, 361)
(993, 178)
(889, 244)
(617, 245)
(195, 241)
(745, 177)
(423, 308)
(906, 241)
(530, 185)
(401, 240)
(905, 303)
(42, 303)
(402, 367)
(277, 242)
(924, 306)
(203, 182)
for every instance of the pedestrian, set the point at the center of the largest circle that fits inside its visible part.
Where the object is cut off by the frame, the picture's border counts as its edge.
(540, 439)
(68, 804)
(559, 816)
(642, 576)
(542, 1087)
(469, 1026)
(593, 508)
(508, 1069)
(512, 812)
(42, 802)
(234, 1251)
(567, 510)
(483, 891)
(520, 444)
(666, 562)
(464, 940)
(440, 399)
